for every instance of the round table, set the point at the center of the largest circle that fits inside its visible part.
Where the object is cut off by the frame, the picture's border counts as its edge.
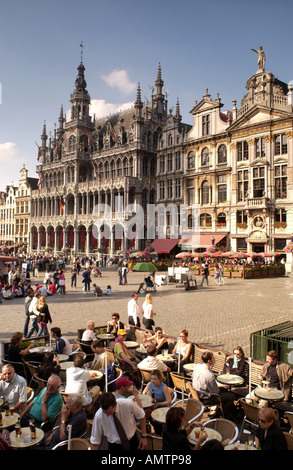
(146, 400)
(9, 421)
(106, 337)
(130, 344)
(166, 358)
(212, 434)
(96, 374)
(66, 364)
(189, 368)
(25, 441)
(41, 349)
(159, 414)
(239, 446)
(230, 379)
(269, 394)
(62, 357)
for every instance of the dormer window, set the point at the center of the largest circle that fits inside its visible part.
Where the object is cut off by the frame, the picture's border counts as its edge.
(206, 124)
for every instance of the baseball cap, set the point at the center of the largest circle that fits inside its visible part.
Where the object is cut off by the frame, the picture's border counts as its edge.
(121, 332)
(123, 382)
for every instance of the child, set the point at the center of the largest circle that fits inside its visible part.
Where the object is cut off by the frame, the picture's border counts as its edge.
(97, 290)
(108, 291)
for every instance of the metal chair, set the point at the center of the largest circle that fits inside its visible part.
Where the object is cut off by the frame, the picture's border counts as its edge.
(154, 442)
(47, 426)
(192, 392)
(228, 430)
(289, 416)
(194, 409)
(210, 400)
(289, 440)
(179, 382)
(145, 377)
(76, 443)
(250, 415)
(32, 371)
(41, 382)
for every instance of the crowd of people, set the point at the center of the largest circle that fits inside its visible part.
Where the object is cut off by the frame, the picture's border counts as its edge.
(76, 396)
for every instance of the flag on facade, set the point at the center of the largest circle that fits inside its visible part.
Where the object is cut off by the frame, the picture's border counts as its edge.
(41, 180)
(61, 205)
(89, 139)
(95, 170)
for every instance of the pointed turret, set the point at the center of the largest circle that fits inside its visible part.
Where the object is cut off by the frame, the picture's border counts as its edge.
(80, 99)
(159, 98)
(178, 116)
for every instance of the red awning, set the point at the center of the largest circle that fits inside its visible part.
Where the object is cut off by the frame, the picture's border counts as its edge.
(164, 245)
(202, 240)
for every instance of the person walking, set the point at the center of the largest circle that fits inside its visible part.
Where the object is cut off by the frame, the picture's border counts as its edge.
(45, 316)
(27, 302)
(205, 274)
(217, 274)
(73, 276)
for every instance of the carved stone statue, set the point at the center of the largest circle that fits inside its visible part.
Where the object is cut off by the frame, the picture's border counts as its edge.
(261, 58)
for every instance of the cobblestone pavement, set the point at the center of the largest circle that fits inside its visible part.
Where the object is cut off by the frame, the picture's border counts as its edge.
(219, 316)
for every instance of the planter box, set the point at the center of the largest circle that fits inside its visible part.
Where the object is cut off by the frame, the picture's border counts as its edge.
(227, 273)
(237, 274)
(264, 273)
(248, 274)
(272, 272)
(256, 274)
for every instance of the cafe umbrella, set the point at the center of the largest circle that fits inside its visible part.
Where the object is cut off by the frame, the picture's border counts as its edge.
(144, 267)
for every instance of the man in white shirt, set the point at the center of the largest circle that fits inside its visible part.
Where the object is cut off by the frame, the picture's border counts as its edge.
(128, 413)
(204, 382)
(133, 311)
(151, 362)
(13, 387)
(76, 382)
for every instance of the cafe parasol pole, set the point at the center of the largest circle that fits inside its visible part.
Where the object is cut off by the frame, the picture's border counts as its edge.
(106, 373)
(69, 428)
(249, 374)
(179, 344)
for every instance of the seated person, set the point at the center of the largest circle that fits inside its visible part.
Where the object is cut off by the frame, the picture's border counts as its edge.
(51, 289)
(76, 382)
(115, 324)
(108, 291)
(62, 344)
(269, 435)
(16, 353)
(46, 405)
(97, 291)
(151, 362)
(183, 347)
(160, 394)
(88, 335)
(125, 357)
(7, 292)
(50, 365)
(149, 282)
(72, 413)
(159, 339)
(13, 387)
(101, 354)
(204, 382)
(5, 441)
(236, 364)
(125, 388)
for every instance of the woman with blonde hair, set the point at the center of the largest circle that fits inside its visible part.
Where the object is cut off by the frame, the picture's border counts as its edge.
(148, 313)
(88, 335)
(183, 348)
(45, 316)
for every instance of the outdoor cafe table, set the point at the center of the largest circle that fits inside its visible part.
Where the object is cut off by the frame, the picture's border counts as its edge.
(146, 400)
(95, 374)
(106, 337)
(239, 446)
(24, 441)
(189, 368)
(41, 349)
(269, 394)
(62, 357)
(9, 421)
(66, 364)
(159, 414)
(212, 434)
(166, 358)
(130, 344)
(230, 379)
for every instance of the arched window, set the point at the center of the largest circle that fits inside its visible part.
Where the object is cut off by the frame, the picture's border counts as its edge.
(191, 160)
(205, 160)
(222, 154)
(205, 193)
(205, 220)
(221, 220)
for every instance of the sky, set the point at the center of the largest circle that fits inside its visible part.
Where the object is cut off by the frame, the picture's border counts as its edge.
(199, 45)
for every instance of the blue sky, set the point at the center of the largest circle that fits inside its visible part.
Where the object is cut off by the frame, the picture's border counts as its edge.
(198, 44)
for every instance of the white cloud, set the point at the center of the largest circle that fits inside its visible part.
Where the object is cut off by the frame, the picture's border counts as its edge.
(101, 108)
(119, 79)
(11, 161)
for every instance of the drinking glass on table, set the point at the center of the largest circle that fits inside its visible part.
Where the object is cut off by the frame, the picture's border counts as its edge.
(11, 409)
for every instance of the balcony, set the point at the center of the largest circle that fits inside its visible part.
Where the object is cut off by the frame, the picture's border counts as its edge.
(257, 202)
